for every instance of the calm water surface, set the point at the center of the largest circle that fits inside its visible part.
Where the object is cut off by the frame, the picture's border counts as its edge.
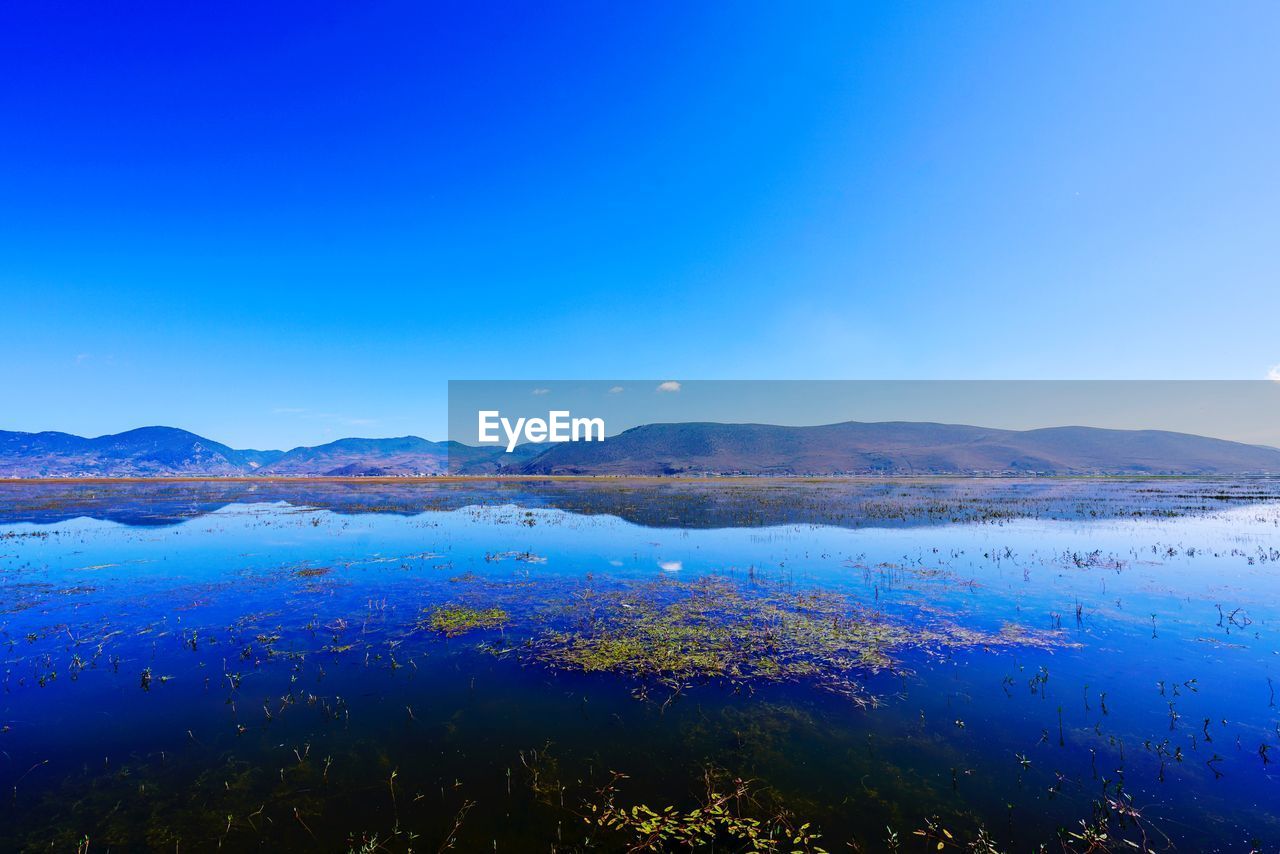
(255, 667)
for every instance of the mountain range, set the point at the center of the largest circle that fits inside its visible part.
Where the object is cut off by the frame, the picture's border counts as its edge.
(170, 452)
(848, 448)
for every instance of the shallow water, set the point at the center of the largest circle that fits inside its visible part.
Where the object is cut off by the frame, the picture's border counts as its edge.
(253, 666)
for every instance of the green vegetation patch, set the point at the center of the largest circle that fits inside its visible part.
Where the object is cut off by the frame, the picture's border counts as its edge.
(451, 620)
(679, 633)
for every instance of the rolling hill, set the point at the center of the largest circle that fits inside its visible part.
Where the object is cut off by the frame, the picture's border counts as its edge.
(145, 452)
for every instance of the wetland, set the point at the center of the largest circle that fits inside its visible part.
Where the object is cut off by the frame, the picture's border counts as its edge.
(640, 665)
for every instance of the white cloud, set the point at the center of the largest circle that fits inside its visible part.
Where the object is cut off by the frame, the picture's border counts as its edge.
(616, 390)
(1274, 374)
(541, 391)
(669, 386)
(671, 565)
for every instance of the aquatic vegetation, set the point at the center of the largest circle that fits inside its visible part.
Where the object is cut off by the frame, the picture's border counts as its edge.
(679, 633)
(453, 620)
(721, 820)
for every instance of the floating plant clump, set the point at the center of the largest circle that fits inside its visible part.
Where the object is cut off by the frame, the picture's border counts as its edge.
(679, 633)
(453, 620)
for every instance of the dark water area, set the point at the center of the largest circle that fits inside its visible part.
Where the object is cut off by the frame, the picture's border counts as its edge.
(1079, 664)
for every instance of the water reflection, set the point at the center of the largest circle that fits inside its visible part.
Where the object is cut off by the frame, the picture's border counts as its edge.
(286, 666)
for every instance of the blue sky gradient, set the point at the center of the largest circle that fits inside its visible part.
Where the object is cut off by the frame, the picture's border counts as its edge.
(278, 224)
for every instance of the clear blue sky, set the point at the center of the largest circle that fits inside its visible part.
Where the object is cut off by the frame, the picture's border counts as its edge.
(279, 224)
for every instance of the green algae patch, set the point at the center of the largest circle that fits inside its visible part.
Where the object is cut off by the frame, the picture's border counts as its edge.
(453, 620)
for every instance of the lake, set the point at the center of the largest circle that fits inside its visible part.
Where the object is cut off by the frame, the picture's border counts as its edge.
(640, 665)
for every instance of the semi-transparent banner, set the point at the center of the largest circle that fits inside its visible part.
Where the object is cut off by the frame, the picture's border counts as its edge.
(671, 427)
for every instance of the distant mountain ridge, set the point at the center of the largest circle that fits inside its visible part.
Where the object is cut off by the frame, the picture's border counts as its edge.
(900, 448)
(171, 452)
(849, 448)
(146, 451)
